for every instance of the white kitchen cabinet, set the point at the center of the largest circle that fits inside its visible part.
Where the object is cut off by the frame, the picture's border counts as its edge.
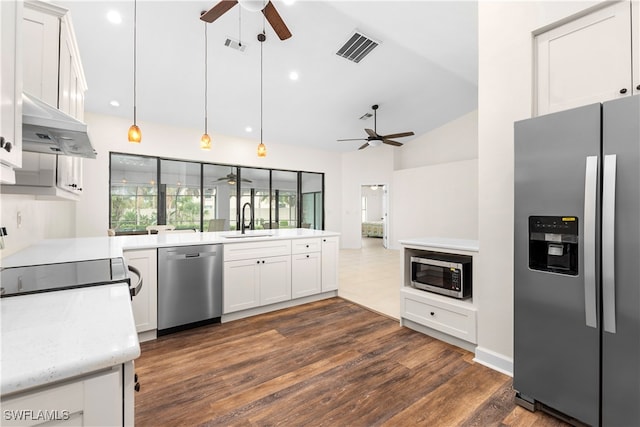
(10, 89)
(91, 400)
(256, 274)
(330, 264)
(306, 267)
(591, 59)
(145, 304)
(241, 285)
(53, 73)
(48, 176)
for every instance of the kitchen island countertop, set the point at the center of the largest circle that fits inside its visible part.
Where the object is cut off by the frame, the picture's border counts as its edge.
(51, 251)
(53, 336)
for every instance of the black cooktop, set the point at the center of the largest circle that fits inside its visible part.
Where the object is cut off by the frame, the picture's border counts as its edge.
(67, 275)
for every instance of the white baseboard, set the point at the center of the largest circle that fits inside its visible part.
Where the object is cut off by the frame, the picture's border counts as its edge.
(495, 361)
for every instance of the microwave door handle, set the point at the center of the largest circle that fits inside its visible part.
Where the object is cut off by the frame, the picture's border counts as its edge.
(590, 205)
(608, 244)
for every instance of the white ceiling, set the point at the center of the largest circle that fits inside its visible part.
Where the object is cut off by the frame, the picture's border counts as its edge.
(422, 75)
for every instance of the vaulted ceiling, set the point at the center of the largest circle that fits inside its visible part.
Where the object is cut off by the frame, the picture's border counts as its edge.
(423, 73)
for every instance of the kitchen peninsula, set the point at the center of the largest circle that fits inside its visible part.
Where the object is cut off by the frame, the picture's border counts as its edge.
(80, 342)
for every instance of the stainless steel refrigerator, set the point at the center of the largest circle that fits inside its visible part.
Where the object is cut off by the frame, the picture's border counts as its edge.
(577, 263)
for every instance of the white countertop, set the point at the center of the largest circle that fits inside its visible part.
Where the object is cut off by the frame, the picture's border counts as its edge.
(86, 248)
(52, 336)
(443, 243)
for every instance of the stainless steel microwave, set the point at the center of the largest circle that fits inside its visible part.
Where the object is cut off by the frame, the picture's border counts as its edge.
(446, 274)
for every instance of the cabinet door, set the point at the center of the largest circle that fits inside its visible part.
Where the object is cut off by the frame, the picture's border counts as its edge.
(11, 87)
(275, 279)
(586, 60)
(71, 77)
(145, 304)
(241, 285)
(41, 33)
(330, 254)
(306, 274)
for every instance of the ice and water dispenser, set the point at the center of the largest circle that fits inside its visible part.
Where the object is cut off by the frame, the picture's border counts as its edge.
(553, 244)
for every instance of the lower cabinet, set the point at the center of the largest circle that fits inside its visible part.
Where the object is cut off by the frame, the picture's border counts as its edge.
(306, 274)
(256, 274)
(145, 304)
(90, 400)
(330, 256)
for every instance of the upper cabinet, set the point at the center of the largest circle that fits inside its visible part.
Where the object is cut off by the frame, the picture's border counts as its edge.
(593, 58)
(52, 72)
(10, 90)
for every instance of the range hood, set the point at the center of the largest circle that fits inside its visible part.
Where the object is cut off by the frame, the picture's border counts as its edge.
(45, 129)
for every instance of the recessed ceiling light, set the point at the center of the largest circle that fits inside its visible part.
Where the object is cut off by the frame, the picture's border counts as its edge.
(288, 2)
(294, 75)
(114, 17)
(114, 103)
(248, 129)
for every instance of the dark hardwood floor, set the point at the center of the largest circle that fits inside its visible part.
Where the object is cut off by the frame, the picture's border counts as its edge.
(328, 363)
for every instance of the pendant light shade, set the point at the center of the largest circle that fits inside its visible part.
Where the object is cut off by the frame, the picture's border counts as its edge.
(134, 134)
(262, 150)
(205, 139)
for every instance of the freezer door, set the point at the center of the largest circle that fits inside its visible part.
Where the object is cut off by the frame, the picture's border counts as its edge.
(556, 326)
(621, 339)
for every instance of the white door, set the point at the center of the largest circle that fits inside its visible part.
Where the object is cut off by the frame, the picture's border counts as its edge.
(586, 60)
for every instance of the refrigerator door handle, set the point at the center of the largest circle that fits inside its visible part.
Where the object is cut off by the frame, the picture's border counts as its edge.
(590, 204)
(608, 244)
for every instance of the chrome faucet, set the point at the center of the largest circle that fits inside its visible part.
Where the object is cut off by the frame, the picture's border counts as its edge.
(242, 222)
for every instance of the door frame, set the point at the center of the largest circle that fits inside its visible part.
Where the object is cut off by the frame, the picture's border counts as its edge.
(385, 211)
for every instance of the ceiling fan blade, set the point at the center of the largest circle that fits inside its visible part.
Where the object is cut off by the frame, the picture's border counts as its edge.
(352, 139)
(276, 21)
(371, 132)
(390, 142)
(218, 10)
(399, 135)
(365, 145)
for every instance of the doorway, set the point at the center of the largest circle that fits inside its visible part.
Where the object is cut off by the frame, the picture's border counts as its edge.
(374, 218)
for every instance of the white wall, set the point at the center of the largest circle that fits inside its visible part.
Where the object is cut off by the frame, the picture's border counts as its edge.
(40, 219)
(436, 201)
(504, 96)
(454, 141)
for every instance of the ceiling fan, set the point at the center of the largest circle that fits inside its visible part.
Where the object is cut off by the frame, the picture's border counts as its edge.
(268, 10)
(374, 139)
(231, 179)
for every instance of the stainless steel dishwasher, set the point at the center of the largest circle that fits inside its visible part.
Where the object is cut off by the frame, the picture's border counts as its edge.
(189, 287)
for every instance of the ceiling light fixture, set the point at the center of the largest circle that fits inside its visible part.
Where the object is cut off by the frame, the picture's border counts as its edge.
(134, 135)
(294, 75)
(248, 129)
(205, 140)
(114, 103)
(262, 149)
(253, 5)
(114, 17)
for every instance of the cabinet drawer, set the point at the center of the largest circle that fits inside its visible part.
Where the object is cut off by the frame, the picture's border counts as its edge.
(238, 251)
(452, 319)
(303, 246)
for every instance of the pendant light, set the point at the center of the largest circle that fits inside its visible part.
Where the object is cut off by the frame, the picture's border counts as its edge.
(205, 140)
(262, 149)
(135, 136)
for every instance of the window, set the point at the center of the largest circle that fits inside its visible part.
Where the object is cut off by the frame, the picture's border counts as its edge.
(134, 193)
(147, 190)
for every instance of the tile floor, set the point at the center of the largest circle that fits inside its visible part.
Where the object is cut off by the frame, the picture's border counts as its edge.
(371, 277)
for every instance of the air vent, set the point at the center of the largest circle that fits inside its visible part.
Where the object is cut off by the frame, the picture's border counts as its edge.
(357, 47)
(234, 44)
(366, 116)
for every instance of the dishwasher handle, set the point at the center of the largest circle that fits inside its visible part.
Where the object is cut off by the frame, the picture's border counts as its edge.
(196, 255)
(135, 290)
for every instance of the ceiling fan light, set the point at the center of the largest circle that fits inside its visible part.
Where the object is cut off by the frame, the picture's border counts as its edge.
(134, 134)
(205, 142)
(253, 5)
(262, 150)
(375, 143)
